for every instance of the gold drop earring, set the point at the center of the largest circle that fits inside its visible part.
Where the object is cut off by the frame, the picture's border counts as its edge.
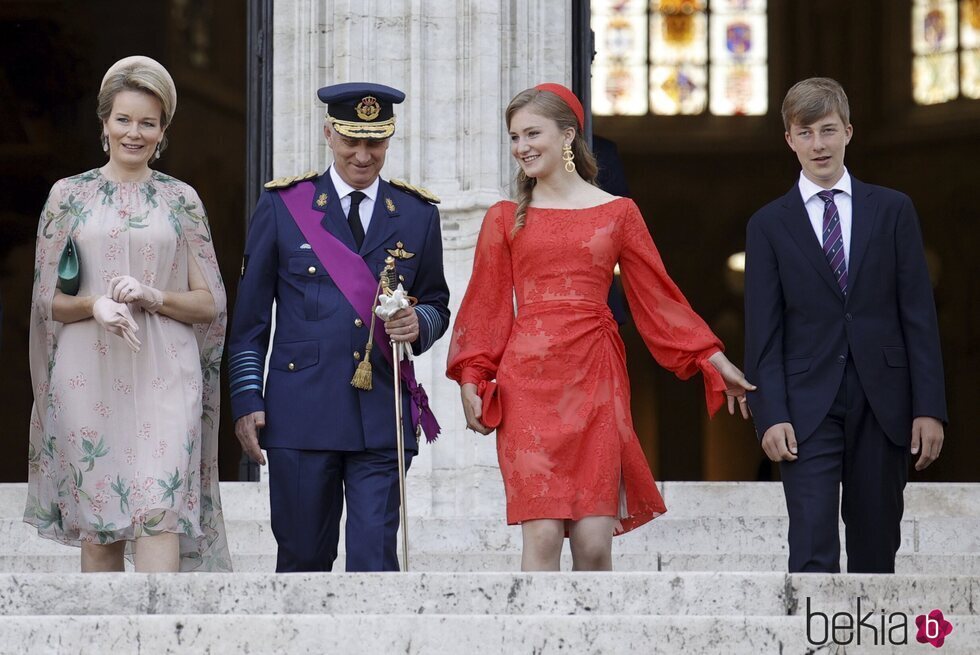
(568, 157)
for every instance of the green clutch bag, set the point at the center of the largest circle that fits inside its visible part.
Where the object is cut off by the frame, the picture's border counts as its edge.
(69, 269)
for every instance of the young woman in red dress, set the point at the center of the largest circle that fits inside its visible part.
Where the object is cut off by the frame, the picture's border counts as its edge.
(570, 459)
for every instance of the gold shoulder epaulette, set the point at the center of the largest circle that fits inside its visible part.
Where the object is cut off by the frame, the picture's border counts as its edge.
(421, 192)
(290, 180)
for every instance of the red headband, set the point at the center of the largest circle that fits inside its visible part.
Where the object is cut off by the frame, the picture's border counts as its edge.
(568, 98)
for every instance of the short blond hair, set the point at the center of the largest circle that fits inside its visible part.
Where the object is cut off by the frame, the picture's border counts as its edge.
(811, 99)
(143, 79)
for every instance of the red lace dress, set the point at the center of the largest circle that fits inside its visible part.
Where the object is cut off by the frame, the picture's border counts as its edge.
(566, 444)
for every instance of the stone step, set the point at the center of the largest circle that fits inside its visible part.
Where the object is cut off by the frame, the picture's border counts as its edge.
(559, 594)
(68, 561)
(431, 635)
(444, 635)
(245, 500)
(604, 613)
(708, 535)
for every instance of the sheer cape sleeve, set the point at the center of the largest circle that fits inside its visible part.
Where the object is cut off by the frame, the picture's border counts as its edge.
(63, 211)
(676, 336)
(486, 316)
(209, 552)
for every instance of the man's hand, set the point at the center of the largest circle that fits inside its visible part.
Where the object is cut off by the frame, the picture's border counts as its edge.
(779, 442)
(927, 436)
(247, 430)
(403, 326)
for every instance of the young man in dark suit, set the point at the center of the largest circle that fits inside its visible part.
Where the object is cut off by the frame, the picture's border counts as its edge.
(843, 342)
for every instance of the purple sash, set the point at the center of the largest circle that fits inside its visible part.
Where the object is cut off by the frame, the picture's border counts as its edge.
(358, 284)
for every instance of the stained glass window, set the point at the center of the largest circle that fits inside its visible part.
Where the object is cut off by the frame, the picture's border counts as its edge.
(946, 50)
(619, 71)
(680, 57)
(970, 48)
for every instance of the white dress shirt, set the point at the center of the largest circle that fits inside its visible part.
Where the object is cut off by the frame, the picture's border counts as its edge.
(814, 208)
(344, 190)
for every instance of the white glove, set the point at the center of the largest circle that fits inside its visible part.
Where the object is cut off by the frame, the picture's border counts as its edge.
(126, 289)
(115, 318)
(388, 306)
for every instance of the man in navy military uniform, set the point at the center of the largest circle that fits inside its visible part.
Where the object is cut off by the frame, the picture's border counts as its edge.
(326, 440)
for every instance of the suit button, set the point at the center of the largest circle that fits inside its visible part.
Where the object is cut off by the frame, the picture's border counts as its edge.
(357, 355)
(401, 278)
(847, 316)
(358, 322)
(292, 366)
(841, 359)
(311, 270)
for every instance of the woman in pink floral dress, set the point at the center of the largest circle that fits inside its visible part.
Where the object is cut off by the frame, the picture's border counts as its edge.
(123, 451)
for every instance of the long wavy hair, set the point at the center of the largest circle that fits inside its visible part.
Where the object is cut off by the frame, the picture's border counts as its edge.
(549, 105)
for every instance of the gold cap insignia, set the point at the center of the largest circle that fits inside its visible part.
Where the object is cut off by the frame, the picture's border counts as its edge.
(399, 251)
(368, 108)
(321, 200)
(389, 204)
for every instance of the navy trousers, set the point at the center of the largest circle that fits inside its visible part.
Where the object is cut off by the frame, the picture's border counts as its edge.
(848, 451)
(307, 489)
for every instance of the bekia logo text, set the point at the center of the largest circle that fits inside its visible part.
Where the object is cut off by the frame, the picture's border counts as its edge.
(873, 628)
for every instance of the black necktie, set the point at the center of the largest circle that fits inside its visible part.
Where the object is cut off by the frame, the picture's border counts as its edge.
(354, 217)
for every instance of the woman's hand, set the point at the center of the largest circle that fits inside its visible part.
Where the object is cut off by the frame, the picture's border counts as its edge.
(127, 289)
(736, 383)
(473, 408)
(115, 318)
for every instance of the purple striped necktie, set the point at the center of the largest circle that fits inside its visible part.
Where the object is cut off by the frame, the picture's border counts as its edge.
(833, 239)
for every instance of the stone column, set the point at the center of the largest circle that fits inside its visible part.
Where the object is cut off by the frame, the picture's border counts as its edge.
(459, 63)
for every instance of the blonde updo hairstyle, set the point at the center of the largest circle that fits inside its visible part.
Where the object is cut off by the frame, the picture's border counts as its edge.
(141, 78)
(549, 105)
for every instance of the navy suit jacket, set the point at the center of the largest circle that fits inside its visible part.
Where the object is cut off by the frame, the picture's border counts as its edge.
(319, 340)
(800, 328)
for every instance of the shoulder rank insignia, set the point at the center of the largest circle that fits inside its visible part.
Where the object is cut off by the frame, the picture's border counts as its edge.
(399, 251)
(289, 180)
(421, 192)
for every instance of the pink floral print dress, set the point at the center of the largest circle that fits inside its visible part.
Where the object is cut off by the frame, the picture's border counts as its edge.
(124, 444)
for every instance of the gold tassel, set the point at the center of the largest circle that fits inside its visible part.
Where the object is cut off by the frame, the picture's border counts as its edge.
(364, 374)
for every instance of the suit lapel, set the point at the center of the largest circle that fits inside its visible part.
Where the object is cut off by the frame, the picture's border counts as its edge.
(864, 214)
(383, 220)
(797, 223)
(326, 200)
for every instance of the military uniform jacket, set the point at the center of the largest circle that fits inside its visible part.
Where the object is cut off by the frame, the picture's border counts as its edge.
(319, 340)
